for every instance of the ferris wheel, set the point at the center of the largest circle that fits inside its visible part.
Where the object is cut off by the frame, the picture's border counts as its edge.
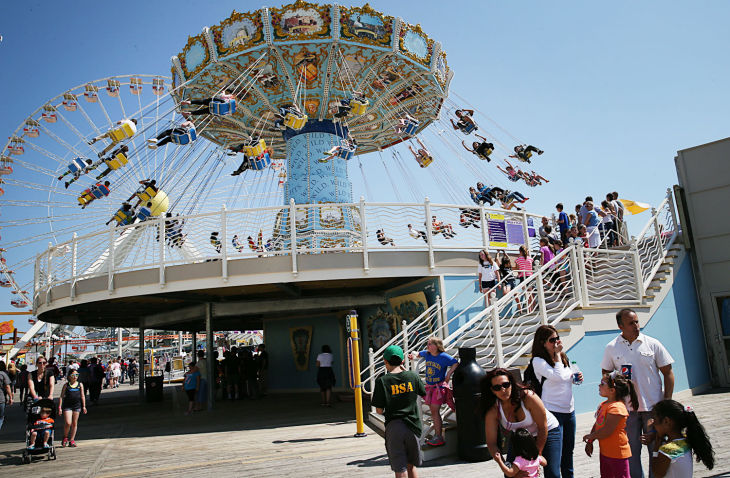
(72, 164)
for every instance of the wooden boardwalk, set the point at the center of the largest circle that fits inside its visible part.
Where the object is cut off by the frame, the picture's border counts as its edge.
(278, 435)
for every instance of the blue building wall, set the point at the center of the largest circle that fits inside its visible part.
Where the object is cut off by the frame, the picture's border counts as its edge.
(676, 324)
(283, 374)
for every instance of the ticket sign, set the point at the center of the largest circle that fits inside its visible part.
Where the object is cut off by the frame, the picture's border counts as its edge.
(497, 230)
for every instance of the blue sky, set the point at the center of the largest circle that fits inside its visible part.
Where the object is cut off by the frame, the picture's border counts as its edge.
(610, 90)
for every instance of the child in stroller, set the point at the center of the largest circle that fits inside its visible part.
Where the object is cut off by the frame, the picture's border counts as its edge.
(39, 430)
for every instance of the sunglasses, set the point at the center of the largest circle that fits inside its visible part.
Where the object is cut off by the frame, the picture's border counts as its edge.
(552, 340)
(501, 386)
(41, 363)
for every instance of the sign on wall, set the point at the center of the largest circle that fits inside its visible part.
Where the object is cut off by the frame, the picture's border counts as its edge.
(301, 339)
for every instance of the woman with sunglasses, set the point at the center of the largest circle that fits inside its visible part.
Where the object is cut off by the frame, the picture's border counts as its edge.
(40, 383)
(508, 406)
(71, 403)
(552, 369)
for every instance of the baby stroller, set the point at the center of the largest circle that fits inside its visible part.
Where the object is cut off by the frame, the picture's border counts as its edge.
(34, 414)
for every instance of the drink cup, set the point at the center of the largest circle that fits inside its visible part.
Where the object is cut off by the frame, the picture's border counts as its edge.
(626, 370)
(576, 378)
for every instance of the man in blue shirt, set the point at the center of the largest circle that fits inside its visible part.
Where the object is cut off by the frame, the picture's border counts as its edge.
(563, 223)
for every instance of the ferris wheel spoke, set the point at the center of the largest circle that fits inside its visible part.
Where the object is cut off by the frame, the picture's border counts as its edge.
(76, 132)
(35, 167)
(106, 113)
(88, 119)
(62, 142)
(38, 187)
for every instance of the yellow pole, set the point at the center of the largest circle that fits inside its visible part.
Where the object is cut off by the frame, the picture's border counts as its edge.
(352, 325)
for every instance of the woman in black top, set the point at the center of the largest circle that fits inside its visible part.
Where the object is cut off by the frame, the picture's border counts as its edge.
(71, 403)
(40, 384)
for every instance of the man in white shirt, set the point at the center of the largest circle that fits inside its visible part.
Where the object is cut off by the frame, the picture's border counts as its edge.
(643, 359)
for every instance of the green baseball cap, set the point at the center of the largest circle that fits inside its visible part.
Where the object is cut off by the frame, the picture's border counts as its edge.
(393, 355)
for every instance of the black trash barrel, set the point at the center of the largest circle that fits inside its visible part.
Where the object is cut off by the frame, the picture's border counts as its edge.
(471, 441)
(153, 388)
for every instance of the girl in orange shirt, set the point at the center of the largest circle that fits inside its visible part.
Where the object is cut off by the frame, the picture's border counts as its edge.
(610, 426)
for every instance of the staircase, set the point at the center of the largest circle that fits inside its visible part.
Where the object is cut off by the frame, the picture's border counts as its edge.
(576, 287)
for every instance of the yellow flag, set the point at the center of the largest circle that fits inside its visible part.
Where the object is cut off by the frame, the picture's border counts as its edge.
(635, 207)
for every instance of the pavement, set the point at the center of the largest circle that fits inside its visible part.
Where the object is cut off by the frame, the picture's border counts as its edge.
(282, 435)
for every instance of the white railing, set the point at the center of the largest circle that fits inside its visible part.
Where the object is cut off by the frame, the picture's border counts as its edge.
(576, 277)
(360, 227)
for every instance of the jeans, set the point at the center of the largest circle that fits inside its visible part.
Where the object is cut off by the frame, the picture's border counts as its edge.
(551, 452)
(635, 426)
(567, 427)
(2, 413)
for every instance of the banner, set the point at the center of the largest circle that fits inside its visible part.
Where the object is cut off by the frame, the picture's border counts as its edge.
(6, 327)
(497, 230)
(301, 339)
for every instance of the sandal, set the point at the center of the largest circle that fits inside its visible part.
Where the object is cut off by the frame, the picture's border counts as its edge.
(64, 442)
(72, 444)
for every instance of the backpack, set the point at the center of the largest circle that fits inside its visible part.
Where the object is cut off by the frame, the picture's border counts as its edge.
(530, 379)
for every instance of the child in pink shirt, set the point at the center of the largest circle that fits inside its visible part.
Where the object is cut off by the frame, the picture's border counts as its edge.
(527, 458)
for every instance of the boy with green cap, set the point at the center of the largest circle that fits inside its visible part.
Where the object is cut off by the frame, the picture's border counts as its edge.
(395, 397)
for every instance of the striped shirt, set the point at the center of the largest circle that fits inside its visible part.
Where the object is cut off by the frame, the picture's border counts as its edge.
(524, 264)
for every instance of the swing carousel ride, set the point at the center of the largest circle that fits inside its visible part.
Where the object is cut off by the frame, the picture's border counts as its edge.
(265, 112)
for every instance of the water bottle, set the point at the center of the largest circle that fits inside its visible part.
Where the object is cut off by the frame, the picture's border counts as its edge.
(577, 380)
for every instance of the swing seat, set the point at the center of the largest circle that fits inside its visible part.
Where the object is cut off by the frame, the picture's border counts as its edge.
(346, 153)
(295, 121)
(117, 161)
(261, 162)
(123, 131)
(146, 194)
(424, 162)
(410, 127)
(86, 197)
(123, 218)
(76, 165)
(468, 128)
(222, 108)
(527, 155)
(144, 213)
(100, 191)
(255, 148)
(359, 106)
(486, 153)
(184, 138)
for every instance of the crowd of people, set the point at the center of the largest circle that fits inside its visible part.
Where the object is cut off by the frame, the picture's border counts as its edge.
(530, 423)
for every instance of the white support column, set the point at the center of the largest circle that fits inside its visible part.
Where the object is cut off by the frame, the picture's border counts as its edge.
(657, 230)
(483, 225)
(224, 244)
(209, 343)
(582, 276)
(429, 232)
(180, 343)
(497, 331)
(293, 235)
(49, 272)
(672, 210)
(110, 265)
(575, 277)
(140, 363)
(371, 378)
(638, 274)
(541, 298)
(526, 231)
(440, 318)
(364, 233)
(119, 341)
(161, 241)
(74, 254)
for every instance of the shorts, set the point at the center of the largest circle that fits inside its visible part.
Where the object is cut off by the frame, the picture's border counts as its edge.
(488, 284)
(74, 409)
(402, 446)
(191, 394)
(435, 395)
(614, 467)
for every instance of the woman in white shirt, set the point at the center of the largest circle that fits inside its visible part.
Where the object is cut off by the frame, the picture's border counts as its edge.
(325, 375)
(488, 275)
(552, 370)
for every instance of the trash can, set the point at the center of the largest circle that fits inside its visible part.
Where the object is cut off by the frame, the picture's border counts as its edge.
(153, 388)
(471, 439)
